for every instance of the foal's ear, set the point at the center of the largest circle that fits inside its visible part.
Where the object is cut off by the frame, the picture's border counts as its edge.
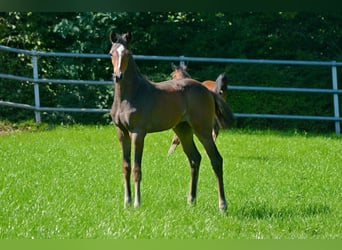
(127, 37)
(173, 66)
(113, 37)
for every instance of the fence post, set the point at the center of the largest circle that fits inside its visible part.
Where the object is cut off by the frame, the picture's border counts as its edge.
(36, 88)
(335, 96)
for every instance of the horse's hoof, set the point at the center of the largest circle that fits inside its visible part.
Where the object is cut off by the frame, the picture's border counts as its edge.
(127, 203)
(223, 207)
(191, 201)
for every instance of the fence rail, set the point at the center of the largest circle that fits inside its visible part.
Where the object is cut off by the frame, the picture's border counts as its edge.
(334, 91)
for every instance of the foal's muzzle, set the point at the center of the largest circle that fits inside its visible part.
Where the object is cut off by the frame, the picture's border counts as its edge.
(117, 77)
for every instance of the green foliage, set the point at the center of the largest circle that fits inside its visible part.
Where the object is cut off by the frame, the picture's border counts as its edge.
(257, 35)
(66, 183)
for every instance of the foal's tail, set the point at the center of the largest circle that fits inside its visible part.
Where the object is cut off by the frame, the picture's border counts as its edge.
(223, 113)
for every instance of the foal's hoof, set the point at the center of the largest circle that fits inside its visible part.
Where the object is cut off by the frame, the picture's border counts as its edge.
(191, 201)
(136, 205)
(223, 207)
(127, 203)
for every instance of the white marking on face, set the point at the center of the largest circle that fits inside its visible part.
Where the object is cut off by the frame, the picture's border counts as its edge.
(119, 50)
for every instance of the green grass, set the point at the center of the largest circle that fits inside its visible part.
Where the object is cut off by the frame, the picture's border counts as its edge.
(66, 183)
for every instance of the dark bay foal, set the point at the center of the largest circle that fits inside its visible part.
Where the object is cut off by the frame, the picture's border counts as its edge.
(142, 107)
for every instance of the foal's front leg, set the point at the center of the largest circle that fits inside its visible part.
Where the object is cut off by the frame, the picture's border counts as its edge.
(138, 142)
(125, 142)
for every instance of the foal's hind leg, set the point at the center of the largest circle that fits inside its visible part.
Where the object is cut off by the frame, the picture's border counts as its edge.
(216, 162)
(216, 129)
(185, 135)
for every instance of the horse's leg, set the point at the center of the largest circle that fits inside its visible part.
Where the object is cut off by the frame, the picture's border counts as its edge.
(138, 142)
(174, 143)
(216, 129)
(185, 134)
(216, 162)
(125, 142)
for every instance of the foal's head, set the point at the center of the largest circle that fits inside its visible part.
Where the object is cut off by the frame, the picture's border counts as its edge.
(120, 53)
(179, 72)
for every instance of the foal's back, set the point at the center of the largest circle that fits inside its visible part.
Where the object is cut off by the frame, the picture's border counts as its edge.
(163, 105)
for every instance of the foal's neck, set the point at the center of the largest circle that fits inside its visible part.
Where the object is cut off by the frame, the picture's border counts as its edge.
(129, 85)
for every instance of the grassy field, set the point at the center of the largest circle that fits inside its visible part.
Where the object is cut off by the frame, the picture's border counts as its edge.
(66, 183)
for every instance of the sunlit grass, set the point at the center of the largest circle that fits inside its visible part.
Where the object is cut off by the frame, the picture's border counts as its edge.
(66, 183)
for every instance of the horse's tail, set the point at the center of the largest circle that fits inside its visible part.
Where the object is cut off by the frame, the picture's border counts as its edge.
(223, 113)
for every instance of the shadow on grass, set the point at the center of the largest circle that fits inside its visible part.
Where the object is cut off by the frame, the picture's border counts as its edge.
(265, 211)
